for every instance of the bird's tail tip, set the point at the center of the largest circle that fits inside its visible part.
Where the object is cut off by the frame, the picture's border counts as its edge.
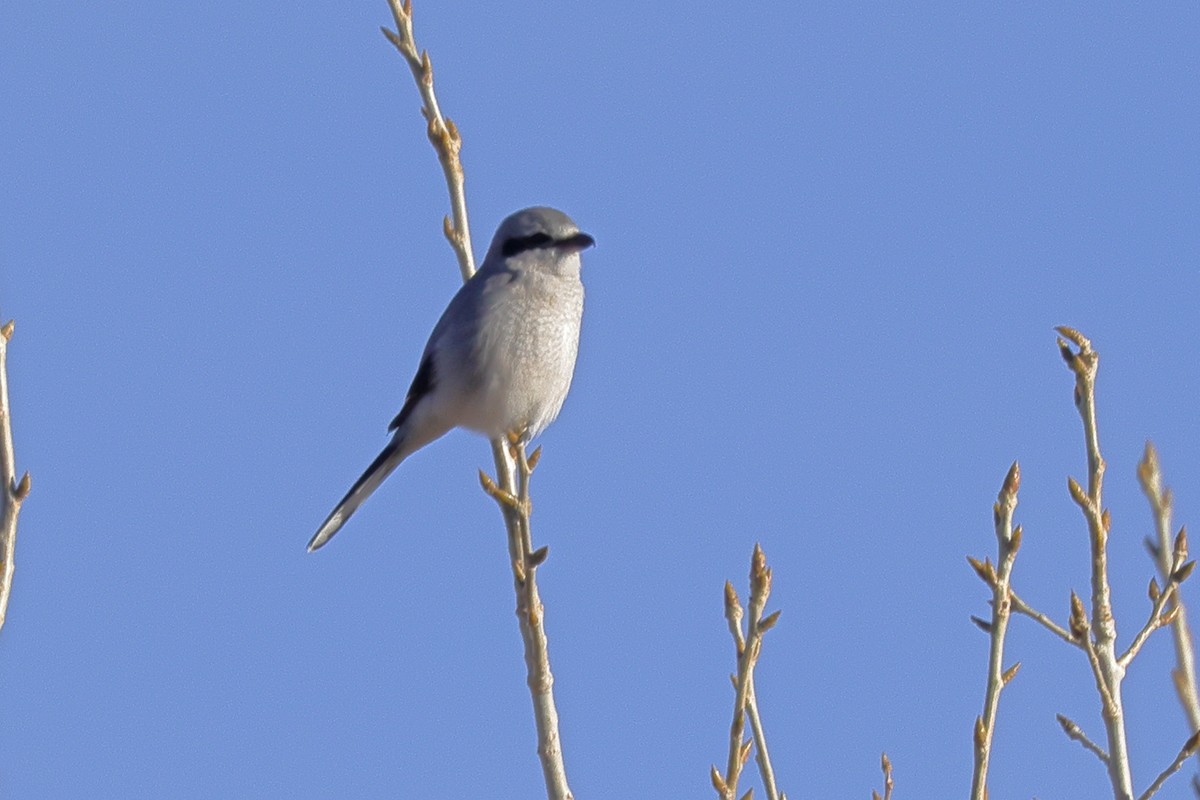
(380, 468)
(331, 526)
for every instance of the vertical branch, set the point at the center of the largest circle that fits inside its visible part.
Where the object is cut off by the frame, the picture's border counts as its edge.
(749, 646)
(1008, 541)
(516, 509)
(1109, 672)
(513, 469)
(885, 764)
(12, 492)
(442, 132)
(762, 756)
(1184, 674)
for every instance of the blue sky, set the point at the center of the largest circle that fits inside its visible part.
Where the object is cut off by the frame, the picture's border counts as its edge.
(833, 240)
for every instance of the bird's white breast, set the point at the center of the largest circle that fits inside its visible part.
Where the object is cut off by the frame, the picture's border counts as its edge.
(528, 353)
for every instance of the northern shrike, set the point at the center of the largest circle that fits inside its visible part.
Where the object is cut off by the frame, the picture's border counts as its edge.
(501, 357)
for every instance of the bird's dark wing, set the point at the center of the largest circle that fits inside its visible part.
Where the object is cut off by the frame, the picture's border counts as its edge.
(422, 385)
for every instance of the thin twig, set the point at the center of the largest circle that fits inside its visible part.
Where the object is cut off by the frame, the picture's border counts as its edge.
(1156, 620)
(531, 614)
(1184, 674)
(1021, 607)
(516, 509)
(12, 492)
(442, 132)
(1008, 542)
(513, 469)
(749, 646)
(762, 756)
(1082, 631)
(1187, 751)
(1084, 362)
(885, 764)
(1073, 731)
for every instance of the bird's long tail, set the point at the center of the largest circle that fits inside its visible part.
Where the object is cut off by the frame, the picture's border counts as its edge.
(380, 468)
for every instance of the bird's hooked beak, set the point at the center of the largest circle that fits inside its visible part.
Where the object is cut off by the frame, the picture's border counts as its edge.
(574, 244)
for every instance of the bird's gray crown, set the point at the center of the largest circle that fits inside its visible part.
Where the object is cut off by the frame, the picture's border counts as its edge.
(536, 228)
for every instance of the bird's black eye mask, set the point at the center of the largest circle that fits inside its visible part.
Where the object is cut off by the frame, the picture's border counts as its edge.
(523, 243)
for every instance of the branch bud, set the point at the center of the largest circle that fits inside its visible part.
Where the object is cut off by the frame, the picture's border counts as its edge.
(983, 624)
(496, 493)
(718, 782)
(760, 573)
(393, 38)
(538, 557)
(1077, 493)
(1151, 548)
(426, 69)
(1014, 542)
(1079, 622)
(1082, 342)
(984, 569)
(1068, 355)
(1012, 483)
(22, 489)
(1180, 575)
(768, 622)
(1147, 470)
(732, 605)
(1153, 591)
(1010, 673)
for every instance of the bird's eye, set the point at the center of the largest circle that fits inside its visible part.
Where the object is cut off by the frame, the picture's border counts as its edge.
(523, 243)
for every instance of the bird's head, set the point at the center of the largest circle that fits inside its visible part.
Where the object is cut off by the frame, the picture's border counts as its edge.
(538, 235)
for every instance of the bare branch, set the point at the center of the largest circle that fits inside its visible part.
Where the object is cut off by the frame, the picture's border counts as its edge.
(1187, 751)
(749, 646)
(530, 614)
(1073, 731)
(443, 133)
(1008, 541)
(761, 755)
(885, 764)
(1101, 646)
(1156, 620)
(1021, 607)
(1184, 675)
(513, 468)
(1082, 631)
(12, 491)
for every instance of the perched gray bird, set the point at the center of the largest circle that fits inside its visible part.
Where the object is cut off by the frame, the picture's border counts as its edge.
(501, 358)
